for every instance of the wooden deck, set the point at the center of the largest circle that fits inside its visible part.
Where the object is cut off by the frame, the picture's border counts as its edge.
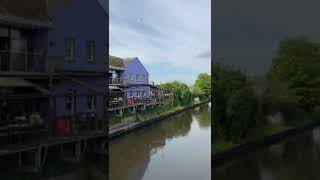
(27, 146)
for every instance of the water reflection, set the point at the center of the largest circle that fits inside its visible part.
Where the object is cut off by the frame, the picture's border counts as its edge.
(294, 159)
(203, 115)
(130, 156)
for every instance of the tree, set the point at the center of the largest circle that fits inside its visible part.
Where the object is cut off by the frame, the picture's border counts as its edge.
(197, 92)
(181, 92)
(297, 65)
(234, 103)
(203, 82)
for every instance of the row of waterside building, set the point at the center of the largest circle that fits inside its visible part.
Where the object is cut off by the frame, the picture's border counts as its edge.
(54, 70)
(52, 73)
(130, 89)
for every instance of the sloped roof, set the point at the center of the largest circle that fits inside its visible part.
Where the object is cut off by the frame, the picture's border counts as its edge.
(128, 61)
(24, 12)
(104, 4)
(116, 62)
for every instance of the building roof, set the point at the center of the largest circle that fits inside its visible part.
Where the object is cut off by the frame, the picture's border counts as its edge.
(104, 4)
(29, 13)
(116, 62)
(128, 61)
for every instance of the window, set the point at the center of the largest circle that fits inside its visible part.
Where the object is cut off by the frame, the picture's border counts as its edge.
(137, 77)
(106, 53)
(91, 103)
(71, 102)
(90, 49)
(131, 77)
(143, 78)
(69, 49)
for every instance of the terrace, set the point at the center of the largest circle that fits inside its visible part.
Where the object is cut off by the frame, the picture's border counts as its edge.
(27, 121)
(116, 81)
(119, 100)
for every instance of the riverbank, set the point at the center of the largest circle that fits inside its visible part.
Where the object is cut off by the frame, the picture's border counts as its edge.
(124, 128)
(227, 152)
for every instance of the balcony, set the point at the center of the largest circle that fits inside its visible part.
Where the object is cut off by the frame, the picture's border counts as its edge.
(22, 61)
(116, 80)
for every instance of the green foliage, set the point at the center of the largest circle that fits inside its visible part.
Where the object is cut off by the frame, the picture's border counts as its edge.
(197, 92)
(234, 103)
(297, 66)
(203, 83)
(180, 91)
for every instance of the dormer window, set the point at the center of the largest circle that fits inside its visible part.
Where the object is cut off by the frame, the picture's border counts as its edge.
(143, 78)
(137, 77)
(69, 49)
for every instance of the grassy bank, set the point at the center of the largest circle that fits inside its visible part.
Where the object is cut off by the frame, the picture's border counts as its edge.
(258, 134)
(157, 111)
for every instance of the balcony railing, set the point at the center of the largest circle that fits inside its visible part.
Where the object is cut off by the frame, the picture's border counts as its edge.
(23, 129)
(120, 103)
(116, 80)
(14, 61)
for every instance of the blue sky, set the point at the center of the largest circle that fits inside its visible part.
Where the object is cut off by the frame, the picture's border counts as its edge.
(172, 38)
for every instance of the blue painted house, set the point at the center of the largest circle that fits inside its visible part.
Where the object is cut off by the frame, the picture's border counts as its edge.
(137, 77)
(57, 57)
(129, 85)
(77, 45)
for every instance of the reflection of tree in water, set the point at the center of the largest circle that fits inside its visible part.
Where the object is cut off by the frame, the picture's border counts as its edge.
(129, 156)
(203, 116)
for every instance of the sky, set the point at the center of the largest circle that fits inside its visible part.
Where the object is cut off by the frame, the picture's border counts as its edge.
(246, 33)
(172, 38)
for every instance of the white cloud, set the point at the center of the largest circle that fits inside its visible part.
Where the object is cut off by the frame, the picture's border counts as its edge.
(166, 31)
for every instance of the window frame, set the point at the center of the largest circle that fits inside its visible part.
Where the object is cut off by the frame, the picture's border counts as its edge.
(131, 77)
(92, 99)
(70, 58)
(88, 48)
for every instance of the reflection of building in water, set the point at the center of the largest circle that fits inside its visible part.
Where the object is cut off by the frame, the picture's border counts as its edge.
(130, 156)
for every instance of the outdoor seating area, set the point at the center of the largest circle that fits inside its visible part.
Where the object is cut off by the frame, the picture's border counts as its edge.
(22, 129)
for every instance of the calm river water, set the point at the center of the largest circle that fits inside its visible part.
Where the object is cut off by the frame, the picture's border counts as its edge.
(178, 148)
(297, 158)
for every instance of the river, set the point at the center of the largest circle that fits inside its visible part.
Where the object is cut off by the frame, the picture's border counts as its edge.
(176, 148)
(295, 158)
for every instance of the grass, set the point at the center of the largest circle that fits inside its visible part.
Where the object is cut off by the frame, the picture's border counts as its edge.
(221, 145)
(158, 111)
(260, 132)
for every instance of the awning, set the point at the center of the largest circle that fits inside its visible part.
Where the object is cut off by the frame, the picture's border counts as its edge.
(115, 88)
(13, 82)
